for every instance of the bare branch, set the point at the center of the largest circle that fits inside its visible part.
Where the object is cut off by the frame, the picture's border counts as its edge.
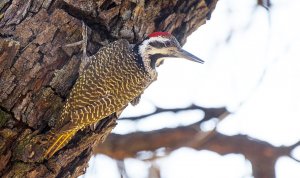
(208, 112)
(261, 154)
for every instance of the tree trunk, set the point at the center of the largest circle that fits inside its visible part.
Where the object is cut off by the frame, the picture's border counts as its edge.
(37, 70)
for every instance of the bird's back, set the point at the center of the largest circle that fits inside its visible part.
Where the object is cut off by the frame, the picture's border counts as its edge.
(115, 77)
(111, 80)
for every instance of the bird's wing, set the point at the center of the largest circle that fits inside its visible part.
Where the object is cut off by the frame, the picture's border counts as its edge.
(105, 86)
(95, 110)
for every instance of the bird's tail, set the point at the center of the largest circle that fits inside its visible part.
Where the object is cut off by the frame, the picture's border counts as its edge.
(57, 141)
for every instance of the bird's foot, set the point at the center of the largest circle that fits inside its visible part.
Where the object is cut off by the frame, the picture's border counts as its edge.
(94, 126)
(135, 101)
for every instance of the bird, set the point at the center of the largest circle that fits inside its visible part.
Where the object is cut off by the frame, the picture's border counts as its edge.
(116, 75)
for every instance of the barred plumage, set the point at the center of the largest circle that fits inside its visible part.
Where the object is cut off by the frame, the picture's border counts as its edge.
(116, 75)
(111, 81)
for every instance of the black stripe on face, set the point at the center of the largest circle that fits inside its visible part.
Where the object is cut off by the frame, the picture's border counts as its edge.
(154, 58)
(138, 57)
(158, 44)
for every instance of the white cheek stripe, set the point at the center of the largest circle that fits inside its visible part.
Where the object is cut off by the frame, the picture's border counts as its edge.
(144, 45)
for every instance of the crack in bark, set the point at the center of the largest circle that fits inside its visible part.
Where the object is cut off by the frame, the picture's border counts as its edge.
(56, 93)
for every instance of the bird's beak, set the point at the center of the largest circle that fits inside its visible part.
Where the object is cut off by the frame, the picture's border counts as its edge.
(186, 55)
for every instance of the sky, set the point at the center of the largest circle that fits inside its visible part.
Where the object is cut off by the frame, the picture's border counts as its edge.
(251, 67)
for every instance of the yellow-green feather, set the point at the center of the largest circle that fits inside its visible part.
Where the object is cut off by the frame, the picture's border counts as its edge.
(110, 82)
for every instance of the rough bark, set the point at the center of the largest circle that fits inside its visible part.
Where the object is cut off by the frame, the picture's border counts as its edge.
(37, 70)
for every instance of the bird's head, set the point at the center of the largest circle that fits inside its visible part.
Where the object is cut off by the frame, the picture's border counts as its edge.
(160, 45)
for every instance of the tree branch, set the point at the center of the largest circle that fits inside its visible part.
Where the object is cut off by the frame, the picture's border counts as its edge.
(208, 112)
(261, 154)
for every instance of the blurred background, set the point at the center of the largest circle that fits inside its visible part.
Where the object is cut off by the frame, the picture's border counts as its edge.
(236, 116)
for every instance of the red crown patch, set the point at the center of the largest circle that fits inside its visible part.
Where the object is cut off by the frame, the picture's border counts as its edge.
(156, 34)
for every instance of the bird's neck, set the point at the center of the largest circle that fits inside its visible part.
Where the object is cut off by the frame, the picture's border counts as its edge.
(144, 60)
